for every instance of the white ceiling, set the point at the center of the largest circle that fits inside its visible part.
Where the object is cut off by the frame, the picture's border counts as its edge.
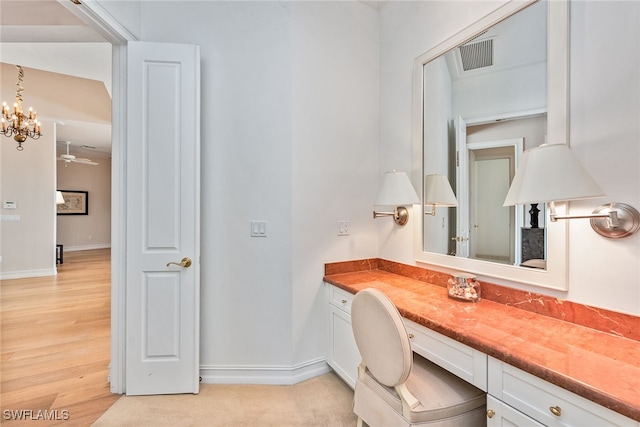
(45, 35)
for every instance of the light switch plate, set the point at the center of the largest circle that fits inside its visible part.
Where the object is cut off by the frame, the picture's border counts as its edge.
(343, 228)
(258, 228)
(10, 204)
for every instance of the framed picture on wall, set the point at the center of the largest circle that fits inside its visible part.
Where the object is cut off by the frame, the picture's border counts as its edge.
(75, 203)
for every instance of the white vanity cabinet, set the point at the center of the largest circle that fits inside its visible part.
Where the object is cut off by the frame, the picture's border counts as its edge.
(342, 355)
(517, 395)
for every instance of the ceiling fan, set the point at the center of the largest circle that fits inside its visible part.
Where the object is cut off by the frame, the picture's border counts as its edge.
(68, 158)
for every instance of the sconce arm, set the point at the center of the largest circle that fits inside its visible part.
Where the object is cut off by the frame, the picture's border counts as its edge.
(433, 210)
(612, 215)
(613, 220)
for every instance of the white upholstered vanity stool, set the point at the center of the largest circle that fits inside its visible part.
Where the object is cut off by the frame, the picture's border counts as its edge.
(396, 387)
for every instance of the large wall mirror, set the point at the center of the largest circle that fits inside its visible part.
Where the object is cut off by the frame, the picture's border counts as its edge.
(482, 97)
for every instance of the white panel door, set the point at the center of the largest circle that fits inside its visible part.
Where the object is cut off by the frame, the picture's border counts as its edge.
(162, 218)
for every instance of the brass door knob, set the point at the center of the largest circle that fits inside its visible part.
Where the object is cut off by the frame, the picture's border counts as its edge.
(556, 410)
(184, 262)
(490, 413)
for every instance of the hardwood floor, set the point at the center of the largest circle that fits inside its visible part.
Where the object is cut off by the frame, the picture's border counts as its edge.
(55, 344)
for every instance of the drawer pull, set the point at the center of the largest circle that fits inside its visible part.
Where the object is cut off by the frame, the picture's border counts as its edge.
(490, 413)
(556, 410)
(410, 336)
(344, 301)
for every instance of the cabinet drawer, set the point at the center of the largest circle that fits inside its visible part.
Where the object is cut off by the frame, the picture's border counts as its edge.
(457, 358)
(502, 415)
(340, 298)
(549, 404)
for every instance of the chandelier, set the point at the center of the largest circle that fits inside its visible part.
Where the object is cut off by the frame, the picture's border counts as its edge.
(17, 123)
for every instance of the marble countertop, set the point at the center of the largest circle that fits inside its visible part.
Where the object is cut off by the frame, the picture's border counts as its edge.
(596, 365)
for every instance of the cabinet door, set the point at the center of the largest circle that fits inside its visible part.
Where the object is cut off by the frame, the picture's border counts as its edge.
(500, 414)
(343, 355)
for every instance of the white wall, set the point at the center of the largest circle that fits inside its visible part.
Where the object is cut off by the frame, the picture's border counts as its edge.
(505, 91)
(605, 134)
(289, 136)
(27, 177)
(604, 127)
(92, 231)
(335, 156)
(127, 12)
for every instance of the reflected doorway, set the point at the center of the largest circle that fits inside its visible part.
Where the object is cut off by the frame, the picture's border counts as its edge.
(492, 226)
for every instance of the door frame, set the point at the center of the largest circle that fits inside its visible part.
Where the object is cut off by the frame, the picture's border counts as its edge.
(98, 19)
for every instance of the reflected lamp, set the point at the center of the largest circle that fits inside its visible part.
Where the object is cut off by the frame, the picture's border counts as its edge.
(396, 190)
(59, 198)
(550, 173)
(438, 192)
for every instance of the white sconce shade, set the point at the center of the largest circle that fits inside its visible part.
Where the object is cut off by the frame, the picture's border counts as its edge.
(59, 198)
(550, 173)
(396, 190)
(438, 192)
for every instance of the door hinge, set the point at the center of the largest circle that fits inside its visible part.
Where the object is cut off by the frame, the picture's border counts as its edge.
(457, 158)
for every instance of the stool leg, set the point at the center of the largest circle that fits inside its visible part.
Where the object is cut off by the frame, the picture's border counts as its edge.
(59, 254)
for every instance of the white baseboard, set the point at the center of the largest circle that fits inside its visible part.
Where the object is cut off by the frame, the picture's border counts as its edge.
(87, 247)
(271, 375)
(23, 274)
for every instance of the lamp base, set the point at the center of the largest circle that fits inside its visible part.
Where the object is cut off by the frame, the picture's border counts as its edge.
(628, 221)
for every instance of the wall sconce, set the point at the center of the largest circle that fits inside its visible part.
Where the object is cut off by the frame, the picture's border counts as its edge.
(396, 190)
(438, 192)
(551, 173)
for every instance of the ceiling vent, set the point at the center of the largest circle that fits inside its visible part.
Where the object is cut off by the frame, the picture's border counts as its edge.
(476, 55)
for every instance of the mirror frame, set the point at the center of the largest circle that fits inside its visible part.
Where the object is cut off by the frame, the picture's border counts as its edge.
(556, 274)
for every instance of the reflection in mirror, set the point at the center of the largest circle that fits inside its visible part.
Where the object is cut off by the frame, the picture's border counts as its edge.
(484, 103)
(552, 271)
